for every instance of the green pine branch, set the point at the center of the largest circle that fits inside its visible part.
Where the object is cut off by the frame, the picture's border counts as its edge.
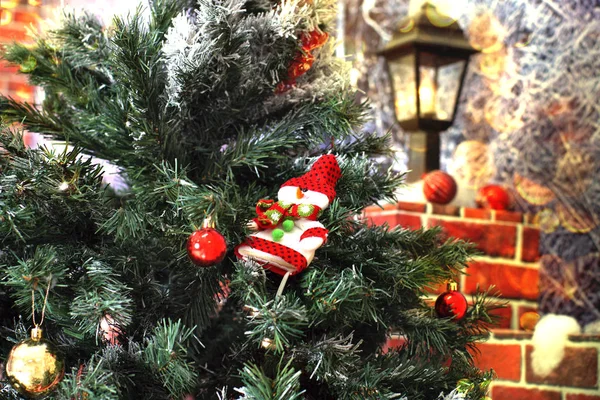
(259, 386)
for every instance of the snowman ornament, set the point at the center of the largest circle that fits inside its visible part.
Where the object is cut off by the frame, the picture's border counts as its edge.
(287, 232)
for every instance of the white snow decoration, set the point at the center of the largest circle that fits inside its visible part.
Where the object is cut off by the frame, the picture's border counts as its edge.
(453, 395)
(193, 42)
(549, 341)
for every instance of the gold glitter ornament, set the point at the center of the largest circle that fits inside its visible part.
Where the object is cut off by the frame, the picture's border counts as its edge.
(529, 320)
(34, 366)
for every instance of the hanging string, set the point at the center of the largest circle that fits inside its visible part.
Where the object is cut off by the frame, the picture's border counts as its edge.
(43, 307)
(282, 284)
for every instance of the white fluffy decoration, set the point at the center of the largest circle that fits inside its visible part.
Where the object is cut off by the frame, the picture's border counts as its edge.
(549, 340)
(453, 395)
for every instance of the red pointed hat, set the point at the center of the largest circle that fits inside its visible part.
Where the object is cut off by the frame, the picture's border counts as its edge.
(322, 177)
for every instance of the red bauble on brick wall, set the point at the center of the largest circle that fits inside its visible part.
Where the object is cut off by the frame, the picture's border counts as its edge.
(439, 187)
(493, 197)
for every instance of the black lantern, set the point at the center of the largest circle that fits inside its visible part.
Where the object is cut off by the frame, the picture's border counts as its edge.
(427, 60)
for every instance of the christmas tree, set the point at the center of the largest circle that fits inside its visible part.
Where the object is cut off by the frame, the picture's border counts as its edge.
(228, 258)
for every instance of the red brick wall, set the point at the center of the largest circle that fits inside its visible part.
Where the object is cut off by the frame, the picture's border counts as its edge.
(16, 16)
(509, 354)
(509, 244)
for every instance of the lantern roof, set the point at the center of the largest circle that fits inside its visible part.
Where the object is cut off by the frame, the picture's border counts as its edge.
(428, 30)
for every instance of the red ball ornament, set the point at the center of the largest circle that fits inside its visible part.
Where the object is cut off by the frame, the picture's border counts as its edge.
(451, 303)
(493, 197)
(314, 40)
(206, 247)
(300, 65)
(439, 187)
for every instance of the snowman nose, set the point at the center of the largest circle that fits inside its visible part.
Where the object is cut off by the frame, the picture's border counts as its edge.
(299, 193)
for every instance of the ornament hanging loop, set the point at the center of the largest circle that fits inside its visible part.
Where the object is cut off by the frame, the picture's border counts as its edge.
(208, 222)
(282, 284)
(36, 332)
(451, 285)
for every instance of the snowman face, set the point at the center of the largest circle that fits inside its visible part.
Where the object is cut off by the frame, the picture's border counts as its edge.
(298, 195)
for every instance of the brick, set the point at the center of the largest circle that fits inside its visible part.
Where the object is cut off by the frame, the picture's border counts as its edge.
(6, 68)
(511, 281)
(517, 393)
(578, 368)
(442, 209)
(530, 251)
(376, 208)
(12, 34)
(410, 221)
(19, 90)
(413, 207)
(380, 218)
(477, 213)
(25, 17)
(504, 317)
(508, 216)
(504, 359)
(14, 81)
(583, 397)
(493, 239)
(19, 86)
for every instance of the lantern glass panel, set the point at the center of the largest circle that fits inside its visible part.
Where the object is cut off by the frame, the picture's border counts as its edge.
(449, 79)
(402, 72)
(440, 80)
(428, 92)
